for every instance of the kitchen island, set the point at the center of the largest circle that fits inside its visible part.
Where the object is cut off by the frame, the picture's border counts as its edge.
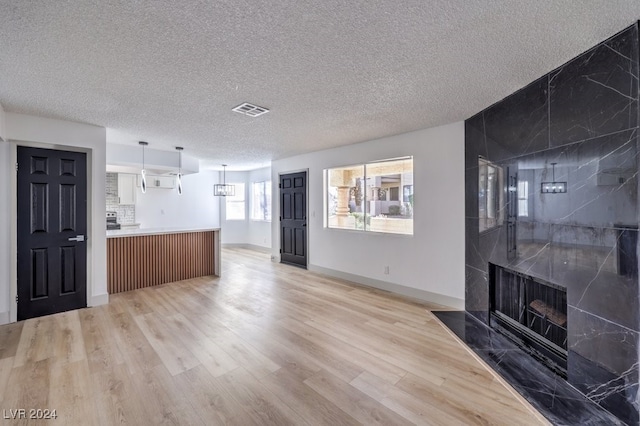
(138, 258)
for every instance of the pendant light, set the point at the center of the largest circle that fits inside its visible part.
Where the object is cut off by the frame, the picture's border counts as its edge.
(143, 172)
(554, 187)
(222, 189)
(179, 149)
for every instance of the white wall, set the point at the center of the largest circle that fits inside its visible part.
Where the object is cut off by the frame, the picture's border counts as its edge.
(196, 207)
(36, 131)
(429, 264)
(236, 231)
(3, 125)
(246, 232)
(5, 231)
(259, 231)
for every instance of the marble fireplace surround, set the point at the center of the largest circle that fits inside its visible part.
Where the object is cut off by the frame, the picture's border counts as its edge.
(552, 396)
(583, 117)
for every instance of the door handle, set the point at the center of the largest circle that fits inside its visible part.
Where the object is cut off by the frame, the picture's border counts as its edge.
(78, 238)
(304, 224)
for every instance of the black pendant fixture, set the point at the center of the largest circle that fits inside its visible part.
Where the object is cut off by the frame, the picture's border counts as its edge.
(554, 187)
(222, 189)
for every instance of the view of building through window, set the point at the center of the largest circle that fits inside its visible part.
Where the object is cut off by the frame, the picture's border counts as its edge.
(375, 197)
(261, 201)
(235, 207)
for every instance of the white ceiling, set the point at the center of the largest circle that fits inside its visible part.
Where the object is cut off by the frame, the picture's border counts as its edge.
(333, 72)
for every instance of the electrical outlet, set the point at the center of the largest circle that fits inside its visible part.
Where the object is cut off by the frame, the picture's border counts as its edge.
(386, 270)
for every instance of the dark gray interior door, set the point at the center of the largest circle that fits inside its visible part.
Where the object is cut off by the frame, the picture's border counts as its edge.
(293, 219)
(52, 229)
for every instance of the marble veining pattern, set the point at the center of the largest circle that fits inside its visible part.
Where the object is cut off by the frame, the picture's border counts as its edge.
(625, 382)
(559, 402)
(596, 93)
(579, 125)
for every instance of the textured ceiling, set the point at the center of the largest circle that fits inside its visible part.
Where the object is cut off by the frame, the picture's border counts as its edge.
(332, 72)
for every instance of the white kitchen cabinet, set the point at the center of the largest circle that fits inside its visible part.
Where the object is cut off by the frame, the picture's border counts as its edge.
(126, 188)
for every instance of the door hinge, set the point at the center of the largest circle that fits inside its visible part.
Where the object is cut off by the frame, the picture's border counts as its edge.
(16, 298)
(280, 218)
(16, 167)
(280, 185)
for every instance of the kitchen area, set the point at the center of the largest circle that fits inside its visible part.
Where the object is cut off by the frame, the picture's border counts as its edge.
(159, 236)
(121, 201)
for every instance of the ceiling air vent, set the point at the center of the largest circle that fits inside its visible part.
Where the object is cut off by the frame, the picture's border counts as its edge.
(250, 109)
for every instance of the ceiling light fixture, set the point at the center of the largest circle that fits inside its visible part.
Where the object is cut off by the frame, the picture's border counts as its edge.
(554, 187)
(222, 189)
(250, 109)
(179, 149)
(143, 173)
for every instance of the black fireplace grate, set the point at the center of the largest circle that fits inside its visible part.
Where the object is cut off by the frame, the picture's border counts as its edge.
(533, 313)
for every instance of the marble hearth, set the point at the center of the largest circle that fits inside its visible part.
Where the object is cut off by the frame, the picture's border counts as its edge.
(551, 395)
(575, 128)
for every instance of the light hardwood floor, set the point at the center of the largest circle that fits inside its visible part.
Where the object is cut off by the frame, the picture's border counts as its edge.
(265, 344)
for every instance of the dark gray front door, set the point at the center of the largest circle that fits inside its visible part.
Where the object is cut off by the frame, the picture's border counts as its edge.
(52, 229)
(293, 219)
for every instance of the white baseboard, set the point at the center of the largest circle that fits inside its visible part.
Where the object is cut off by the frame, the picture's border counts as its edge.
(426, 296)
(99, 299)
(249, 247)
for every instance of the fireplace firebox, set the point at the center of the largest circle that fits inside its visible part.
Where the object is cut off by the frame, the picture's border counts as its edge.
(531, 312)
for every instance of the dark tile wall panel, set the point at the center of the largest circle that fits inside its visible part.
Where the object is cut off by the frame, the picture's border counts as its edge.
(583, 117)
(473, 256)
(475, 142)
(616, 393)
(477, 293)
(519, 124)
(597, 93)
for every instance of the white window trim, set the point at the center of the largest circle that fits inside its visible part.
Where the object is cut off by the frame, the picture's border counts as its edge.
(244, 202)
(251, 218)
(366, 229)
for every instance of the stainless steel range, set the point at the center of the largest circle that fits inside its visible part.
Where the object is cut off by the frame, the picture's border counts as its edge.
(112, 221)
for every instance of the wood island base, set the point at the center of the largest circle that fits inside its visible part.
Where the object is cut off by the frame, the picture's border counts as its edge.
(144, 259)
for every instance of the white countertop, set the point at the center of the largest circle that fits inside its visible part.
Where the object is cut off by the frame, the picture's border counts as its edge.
(114, 233)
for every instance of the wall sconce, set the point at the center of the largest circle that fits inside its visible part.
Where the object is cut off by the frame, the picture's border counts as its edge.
(554, 187)
(222, 189)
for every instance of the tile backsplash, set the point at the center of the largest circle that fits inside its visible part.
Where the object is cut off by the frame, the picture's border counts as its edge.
(126, 213)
